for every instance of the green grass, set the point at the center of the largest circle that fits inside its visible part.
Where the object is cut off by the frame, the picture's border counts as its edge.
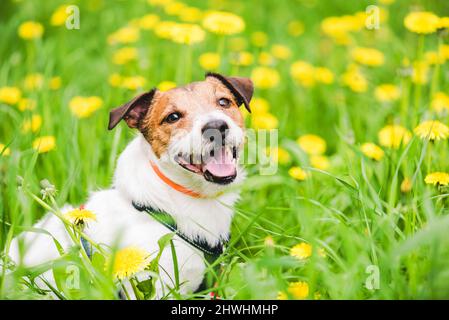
(354, 210)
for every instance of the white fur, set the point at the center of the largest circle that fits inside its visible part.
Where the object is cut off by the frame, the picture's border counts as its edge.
(119, 223)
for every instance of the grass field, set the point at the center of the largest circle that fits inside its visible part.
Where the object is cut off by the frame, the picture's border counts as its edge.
(340, 219)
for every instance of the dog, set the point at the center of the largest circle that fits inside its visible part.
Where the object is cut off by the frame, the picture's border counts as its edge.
(182, 161)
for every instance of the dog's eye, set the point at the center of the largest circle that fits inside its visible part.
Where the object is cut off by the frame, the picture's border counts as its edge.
(173, 117)
(223, 102)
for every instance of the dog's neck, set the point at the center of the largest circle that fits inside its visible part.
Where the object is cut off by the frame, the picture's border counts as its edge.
(207, 218)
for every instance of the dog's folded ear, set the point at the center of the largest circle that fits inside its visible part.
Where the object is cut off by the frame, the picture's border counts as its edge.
(241, 88)
(133, 111)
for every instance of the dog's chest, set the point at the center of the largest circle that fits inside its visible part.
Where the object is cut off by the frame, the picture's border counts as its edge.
(119, 224)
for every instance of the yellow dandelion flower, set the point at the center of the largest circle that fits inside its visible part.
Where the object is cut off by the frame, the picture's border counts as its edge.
(182, 33)
(393, 136)
(265, 121)
(301, 251)
(242, 59)
(191, 14)
(166, 85)
(33, 124)
(295, 28)
(33, 81)
(160, 3)
(433, 58)
(44, 144)
(368, 56)
(372, 150)
(282, 296)
(115, 80)
(209, 61)
(406, 185)
(422, 22)
(319, 162)
(440, 102)
(298, 290)
(174, 8)
(148, 21)
(83, 107)
(259, 39)
(124, 55)
(129, 261)
(298, 173)
(437, 178)
(26, 104)
(420, 72)
(80, 216)
(55, 83)
(303, 73)
(343, 39)
(185, 33)
(133, 83)
(432, 130)
(59, 17)
(164, 29)
(4, 152)
(312, 144)
(265, 77)
(31, 30)
(265, 59)
(128, 34)
(281, 52)
(163, 3)
(444, 51)
(387, 92)
(355, 80)
(225, 23)
(338, 28)
(279, 155)
(324, 75)
(443, 23)
(10, 95)
(259, 105)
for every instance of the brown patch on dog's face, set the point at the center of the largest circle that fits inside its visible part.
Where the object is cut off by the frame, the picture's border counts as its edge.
(184, 104)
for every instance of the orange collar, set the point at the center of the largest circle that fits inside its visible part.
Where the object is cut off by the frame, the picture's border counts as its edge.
(173, 184)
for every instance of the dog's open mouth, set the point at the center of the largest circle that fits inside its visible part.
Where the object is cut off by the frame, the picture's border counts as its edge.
(218, 166)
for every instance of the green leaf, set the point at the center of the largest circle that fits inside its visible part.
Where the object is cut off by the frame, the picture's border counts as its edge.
(98, 261)
(147, 288)
(163, 242)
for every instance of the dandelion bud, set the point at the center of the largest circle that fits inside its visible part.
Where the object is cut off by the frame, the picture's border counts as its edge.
(269, 242)
(48, 190)
(406, 185)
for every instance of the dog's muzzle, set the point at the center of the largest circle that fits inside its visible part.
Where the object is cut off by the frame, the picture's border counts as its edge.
(217, 161)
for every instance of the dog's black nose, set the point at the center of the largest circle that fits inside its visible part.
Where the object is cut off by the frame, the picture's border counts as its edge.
(213, 129)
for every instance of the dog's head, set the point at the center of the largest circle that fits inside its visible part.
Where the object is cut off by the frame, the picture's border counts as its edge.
(197, 130)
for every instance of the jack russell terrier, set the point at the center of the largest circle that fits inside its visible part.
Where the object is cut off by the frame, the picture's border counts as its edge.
(180, 163)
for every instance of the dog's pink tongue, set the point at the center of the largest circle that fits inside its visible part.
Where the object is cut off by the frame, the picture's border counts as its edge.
(221, 165)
